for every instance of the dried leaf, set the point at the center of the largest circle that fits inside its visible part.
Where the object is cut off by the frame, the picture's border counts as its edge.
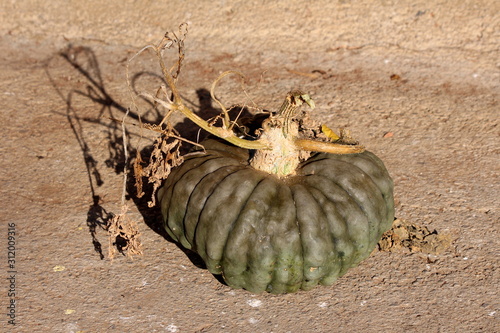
(165, 156)
(329, 133)
(124, 235)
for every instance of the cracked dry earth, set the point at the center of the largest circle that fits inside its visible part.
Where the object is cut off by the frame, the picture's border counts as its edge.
(417, 82)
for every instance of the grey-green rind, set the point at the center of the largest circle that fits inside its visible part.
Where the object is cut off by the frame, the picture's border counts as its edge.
(263, 233)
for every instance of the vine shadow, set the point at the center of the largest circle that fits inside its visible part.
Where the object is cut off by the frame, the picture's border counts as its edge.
(84, 64)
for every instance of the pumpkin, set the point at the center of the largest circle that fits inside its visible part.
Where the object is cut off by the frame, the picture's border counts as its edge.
(277, 234)
(273, 203)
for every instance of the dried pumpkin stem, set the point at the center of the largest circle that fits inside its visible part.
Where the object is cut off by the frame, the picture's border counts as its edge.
(289, 110)
(327, 147)
(178, 105)
(290, 106)
(283, 117)
(226, 119)
(220, 132)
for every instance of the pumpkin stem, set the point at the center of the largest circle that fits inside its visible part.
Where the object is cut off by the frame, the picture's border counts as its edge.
(178, 105)
(289, 111)
(291, 106)
(285, 119)
(283, 158)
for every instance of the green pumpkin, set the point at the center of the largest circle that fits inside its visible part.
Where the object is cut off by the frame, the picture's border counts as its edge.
(265, 233)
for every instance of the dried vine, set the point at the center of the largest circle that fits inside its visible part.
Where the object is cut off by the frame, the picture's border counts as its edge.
(285, 137)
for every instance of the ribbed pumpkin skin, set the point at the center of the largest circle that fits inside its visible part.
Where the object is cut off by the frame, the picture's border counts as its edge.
(263, 233)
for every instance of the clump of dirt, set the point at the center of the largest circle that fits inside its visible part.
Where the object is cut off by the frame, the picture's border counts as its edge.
(406, 236)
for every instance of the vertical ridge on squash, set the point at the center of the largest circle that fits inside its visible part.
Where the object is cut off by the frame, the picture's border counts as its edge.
(334, 232)
(261, 257)
(247, 228)
(344, 209)
(362, 189)
(184, 188)
(172, 205)
(198, 199)
(316, 242)
(285, 240)
(375, 168)
(216, 221)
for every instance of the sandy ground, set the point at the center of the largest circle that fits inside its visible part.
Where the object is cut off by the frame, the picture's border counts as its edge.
(417, 82)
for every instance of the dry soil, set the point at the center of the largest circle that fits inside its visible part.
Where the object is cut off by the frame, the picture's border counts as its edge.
(417, 82)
